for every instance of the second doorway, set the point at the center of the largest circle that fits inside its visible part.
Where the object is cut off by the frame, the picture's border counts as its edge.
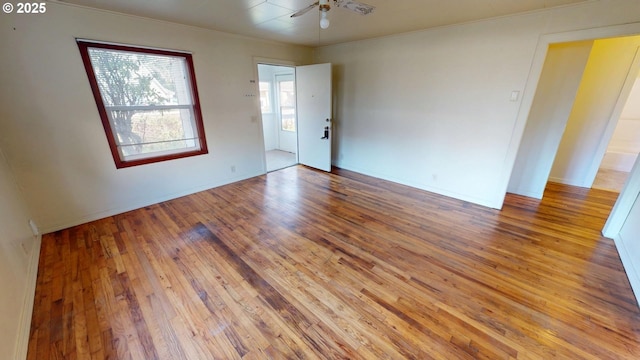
(278, 106)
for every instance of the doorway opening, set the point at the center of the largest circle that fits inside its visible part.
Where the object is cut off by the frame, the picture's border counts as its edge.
(277, 86)
(601, 139)
(580, 97)
(584, 91)
(624, 146)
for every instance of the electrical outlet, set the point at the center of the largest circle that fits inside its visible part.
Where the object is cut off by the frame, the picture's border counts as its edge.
(233, 168)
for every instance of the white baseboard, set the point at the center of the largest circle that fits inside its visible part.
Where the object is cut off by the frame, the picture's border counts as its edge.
(571, 182)
(22, 343)
(46, 228)
(557, 180)
(487, 202)
(526, 192)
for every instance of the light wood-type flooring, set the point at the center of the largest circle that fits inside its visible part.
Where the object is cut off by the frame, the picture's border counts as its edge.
(300, 264)
(612, 180)
(279, 159)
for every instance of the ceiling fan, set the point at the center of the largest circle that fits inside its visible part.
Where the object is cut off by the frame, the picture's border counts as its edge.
(325, 5)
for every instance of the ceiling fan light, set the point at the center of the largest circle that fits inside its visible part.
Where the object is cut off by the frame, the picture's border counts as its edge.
(324, 22)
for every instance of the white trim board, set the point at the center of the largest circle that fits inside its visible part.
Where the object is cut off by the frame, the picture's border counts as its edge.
(623, 205)
(24, 329)
(630, 267)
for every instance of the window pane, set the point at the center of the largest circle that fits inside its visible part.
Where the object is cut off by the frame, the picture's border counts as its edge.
(129, 79)
(287, 93)
(287, 105)
(142, 132)
(288, 116)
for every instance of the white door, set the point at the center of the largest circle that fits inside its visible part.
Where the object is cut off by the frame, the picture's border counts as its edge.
(313, 85)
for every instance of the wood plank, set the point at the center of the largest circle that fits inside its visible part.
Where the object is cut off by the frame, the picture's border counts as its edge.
(303, 264)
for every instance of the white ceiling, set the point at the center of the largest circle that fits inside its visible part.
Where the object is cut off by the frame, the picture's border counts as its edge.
(270, 19)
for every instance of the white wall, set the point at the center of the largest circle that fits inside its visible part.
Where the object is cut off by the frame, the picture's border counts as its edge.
(51, 131)
(557, 88)
(628, 245)
(580, 153)
(431, 108)
(16, 272)
(269, 126)
(625, 143)
(269, 123)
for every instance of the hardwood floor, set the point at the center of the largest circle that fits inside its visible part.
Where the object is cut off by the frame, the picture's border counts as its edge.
(299, 264)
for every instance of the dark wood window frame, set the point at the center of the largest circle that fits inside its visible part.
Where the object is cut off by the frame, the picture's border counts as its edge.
(118, 157)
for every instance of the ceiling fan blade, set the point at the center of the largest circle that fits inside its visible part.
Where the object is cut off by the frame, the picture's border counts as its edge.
(305, 10)
(360, 8)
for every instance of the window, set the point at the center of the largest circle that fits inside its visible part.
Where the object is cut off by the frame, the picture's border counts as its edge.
(287, 98)
(147, 100)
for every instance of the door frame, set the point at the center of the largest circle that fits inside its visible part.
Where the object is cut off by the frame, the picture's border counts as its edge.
(531, 87)
(625, 251)
(256, 82)
(625, 202)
